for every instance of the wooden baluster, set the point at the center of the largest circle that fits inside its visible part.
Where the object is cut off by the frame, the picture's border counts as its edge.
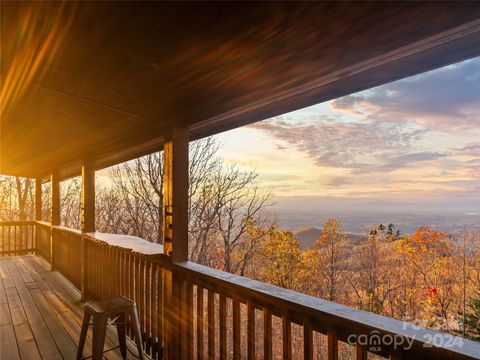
(105, 271)
(267, 334)
(251, 331)
(167, 327)
(211, 324)
(101, 274)
(175, 320)
(116, 264)
(395, 354)
(86, 265)
(200, 323)
(287, 338)
(307, 340)
(223, 327)
(236, 329)
(130, 293)
(98, 270)
(90, 269)
(160, 308)
(141, 295)
(9, 241)
(113, 272)
(154, 310)
(123, 273)
(360, 352)
(332, 341)
(183, 320)
(18, 237)
(14, 240)
(97, 274)
(189, 318)
(148, 307)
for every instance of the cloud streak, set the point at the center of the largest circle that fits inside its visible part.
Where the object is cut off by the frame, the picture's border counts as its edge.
(413, 135)
(344, 145)
(443, 100)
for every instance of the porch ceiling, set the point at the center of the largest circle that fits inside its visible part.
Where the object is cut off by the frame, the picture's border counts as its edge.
(107, 81)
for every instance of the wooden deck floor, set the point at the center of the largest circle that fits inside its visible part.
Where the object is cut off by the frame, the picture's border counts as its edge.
(41, 313)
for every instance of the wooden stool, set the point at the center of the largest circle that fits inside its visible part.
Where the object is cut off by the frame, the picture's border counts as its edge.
(116, 309)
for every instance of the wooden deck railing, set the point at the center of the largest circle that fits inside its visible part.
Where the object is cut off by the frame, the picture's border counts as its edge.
(191, 311)
(111, 271)
(43, 233)
(67, 255)
(17, 237)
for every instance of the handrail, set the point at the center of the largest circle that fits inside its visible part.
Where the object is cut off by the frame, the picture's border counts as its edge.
(17, 223)
(66, 229)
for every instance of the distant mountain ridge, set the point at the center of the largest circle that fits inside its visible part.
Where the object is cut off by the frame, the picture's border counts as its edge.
(307, 236)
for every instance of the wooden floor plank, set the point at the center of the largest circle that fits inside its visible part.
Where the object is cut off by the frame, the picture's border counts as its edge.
(70, 298)
(55, 303)
(8, 343)
(42, 313)
(8, 348)
(44, 341)
(23, 333)
(66, 346)
(7, 281)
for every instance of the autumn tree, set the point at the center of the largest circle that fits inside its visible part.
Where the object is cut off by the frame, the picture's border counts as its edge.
(70, 207)
(429, 252)
(327, 260)
(16, 198)
(471, 319)
(224, 201)
(280, 260)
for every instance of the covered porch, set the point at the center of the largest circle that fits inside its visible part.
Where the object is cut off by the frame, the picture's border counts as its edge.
(101, 83)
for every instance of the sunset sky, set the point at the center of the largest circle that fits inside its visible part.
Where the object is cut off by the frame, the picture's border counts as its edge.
(416, 140)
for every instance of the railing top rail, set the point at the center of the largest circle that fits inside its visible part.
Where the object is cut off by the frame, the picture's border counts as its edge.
(67, 229)
(17, 223)
(134, 244)
(331, 315)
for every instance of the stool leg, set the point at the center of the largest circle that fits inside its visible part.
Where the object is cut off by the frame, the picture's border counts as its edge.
(121, 335)
(99, 330)
(83, 334)
(136, 330)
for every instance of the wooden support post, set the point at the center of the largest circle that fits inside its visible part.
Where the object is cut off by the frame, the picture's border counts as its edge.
(88, 216)
(54, 212)
(175, 195)
(175, 230)
(38, 199)
(88, 198)
(38, 209)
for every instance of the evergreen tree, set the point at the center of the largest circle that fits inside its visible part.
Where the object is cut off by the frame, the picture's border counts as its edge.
(472, 319)
(390, 229)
